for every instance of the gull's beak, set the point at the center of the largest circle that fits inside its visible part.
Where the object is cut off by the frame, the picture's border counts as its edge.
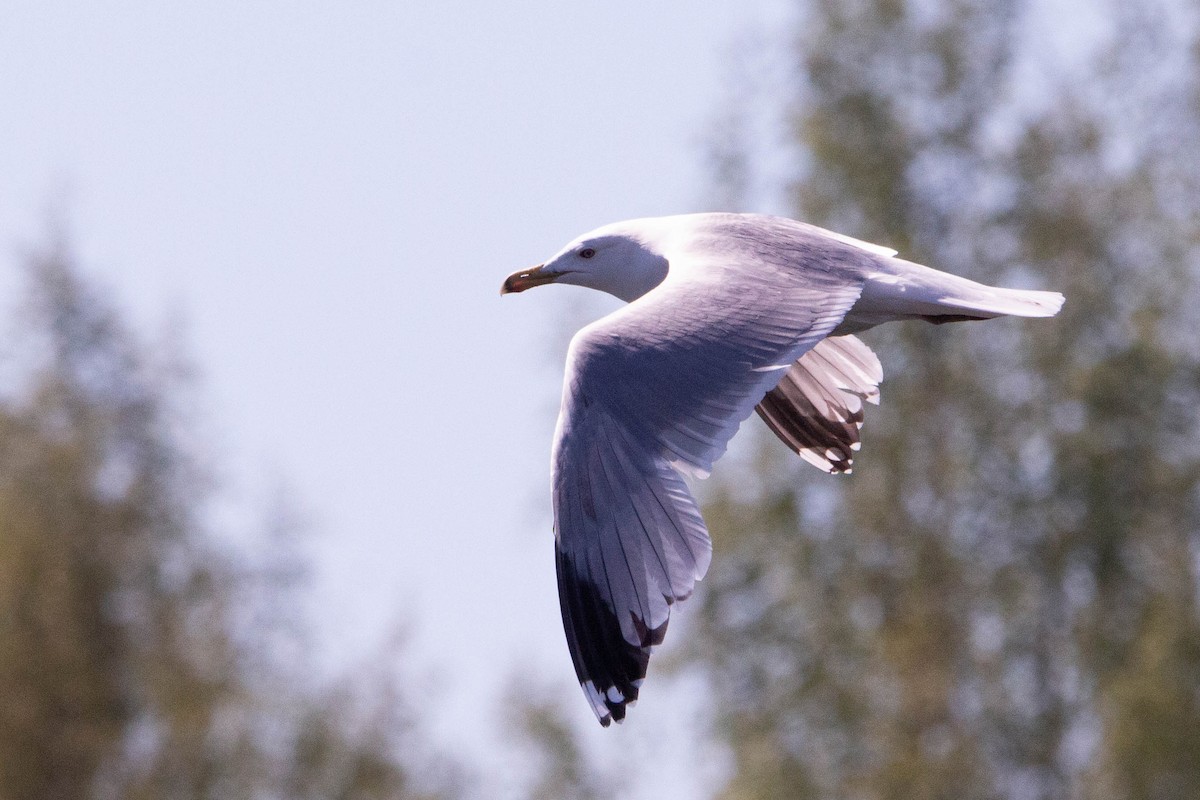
(527, 279)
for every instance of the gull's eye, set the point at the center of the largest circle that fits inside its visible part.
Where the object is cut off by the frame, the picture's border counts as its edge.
(587, 252)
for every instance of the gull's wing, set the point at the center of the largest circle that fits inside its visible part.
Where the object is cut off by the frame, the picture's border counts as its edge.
(629, 542)
(817, 408)
(657, 387)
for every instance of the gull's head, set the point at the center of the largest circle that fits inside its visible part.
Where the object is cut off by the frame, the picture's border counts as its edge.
(624, 260)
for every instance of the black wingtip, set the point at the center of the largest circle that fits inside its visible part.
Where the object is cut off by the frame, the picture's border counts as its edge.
(610, 669)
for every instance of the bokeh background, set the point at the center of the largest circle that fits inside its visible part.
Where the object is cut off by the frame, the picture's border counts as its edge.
(274, 514)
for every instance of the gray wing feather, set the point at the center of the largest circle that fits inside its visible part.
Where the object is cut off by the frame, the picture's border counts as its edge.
(653, 389)
(687, 382)
(630, 542)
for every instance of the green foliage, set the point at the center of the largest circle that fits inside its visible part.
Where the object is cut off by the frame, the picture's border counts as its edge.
(561, 767)
(1001, 601)
(137, 658)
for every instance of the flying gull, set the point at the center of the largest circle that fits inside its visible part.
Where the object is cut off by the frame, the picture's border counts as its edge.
(727, 314)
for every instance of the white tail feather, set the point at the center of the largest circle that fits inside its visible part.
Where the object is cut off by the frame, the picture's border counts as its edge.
(1014, 302)
(911, 291)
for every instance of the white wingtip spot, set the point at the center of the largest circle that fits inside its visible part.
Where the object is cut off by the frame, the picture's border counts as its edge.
(597, 700)
(816, 459)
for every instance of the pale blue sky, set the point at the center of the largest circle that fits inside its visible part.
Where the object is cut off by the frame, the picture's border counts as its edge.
(330, 195)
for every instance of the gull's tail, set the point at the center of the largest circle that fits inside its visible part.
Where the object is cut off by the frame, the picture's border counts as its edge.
(911, 291)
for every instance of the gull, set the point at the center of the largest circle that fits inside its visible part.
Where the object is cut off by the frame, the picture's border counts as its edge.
(726, 314)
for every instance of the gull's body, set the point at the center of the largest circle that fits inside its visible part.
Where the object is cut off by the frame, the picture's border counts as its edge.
(726, 313)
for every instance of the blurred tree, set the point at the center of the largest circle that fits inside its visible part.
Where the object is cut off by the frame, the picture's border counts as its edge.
(137, 658)
(1002, 600)
(551, 746)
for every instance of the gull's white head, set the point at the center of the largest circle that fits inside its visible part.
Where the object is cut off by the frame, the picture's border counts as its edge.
(624, 259)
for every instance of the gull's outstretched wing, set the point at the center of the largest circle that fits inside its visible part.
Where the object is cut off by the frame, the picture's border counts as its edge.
(629, 543)
(817, 408)
(656, 388)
